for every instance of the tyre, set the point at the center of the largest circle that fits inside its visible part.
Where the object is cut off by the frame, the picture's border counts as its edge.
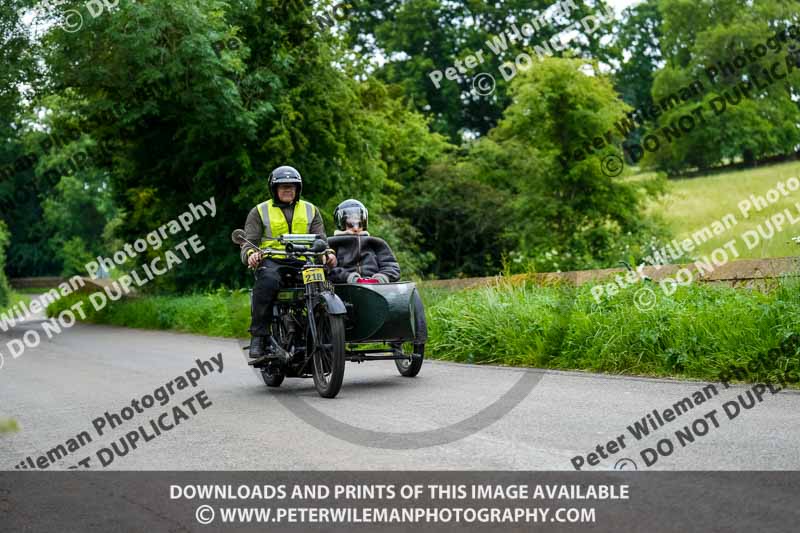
(329, 355)
(411, 368)
(272, 380)
(273, 377)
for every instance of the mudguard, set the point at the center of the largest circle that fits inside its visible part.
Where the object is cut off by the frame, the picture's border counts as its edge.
(333, 303)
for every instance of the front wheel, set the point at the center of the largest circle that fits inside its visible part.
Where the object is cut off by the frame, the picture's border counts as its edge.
(329, 353)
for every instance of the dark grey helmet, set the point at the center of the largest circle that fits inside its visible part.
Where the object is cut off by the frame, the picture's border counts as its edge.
(285, 176)
(349, 213)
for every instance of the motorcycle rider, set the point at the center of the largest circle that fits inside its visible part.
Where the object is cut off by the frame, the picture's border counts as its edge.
(360, 259)
(284, 213)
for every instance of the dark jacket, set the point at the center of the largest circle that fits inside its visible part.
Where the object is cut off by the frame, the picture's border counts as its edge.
(363, 255)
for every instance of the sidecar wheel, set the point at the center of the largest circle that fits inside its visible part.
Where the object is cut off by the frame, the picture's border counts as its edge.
(410, 369)
(329, 359)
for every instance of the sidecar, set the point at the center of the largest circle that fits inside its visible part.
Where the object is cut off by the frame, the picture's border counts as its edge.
(390, 314)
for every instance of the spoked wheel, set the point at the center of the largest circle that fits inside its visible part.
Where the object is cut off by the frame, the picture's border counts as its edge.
(329, 355)
(272, 375)
(411, 368)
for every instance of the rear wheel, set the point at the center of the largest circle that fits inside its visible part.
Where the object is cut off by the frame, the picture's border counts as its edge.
(272, 379)
(411, 368)
(273, 375)
(329, 353)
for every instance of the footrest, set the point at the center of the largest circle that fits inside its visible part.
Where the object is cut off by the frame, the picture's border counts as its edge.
(263, 359)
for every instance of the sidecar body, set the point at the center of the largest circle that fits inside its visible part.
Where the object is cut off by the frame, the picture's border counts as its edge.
(381, 312)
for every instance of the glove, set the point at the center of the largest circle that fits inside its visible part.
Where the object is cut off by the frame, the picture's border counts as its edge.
(353, 277)
(382, 278)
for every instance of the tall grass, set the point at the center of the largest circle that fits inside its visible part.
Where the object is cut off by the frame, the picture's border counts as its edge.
(699, 332)
(14, 297)
(219, 314)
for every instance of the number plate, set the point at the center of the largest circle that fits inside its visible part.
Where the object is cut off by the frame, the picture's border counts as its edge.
(313, 275)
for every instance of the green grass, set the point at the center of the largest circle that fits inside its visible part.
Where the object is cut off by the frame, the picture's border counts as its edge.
(694, 203)
(8, 426)
(31, 291)
(14, 298)
(698, 332)
(221, 314)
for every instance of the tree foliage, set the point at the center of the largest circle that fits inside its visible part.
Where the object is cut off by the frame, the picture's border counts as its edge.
(4, 288)
(568, 215)
(151, 106)
(414, 37)
(709, 35)
(638, 48)
(183, 118)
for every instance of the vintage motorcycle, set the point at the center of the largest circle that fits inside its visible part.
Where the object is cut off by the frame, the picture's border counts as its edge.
(317, 326)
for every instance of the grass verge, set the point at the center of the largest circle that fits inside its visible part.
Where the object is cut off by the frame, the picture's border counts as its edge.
(701, 331)
(15, 297)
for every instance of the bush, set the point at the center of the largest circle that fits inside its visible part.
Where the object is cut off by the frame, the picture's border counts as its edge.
(5, 291)
(701, 331)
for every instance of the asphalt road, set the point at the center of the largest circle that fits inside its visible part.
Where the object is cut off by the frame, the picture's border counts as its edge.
(56, 390)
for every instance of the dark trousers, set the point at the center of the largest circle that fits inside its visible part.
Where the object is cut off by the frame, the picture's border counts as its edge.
(269, 277)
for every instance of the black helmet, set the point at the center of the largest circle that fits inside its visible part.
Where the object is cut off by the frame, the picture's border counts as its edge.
(285, 176)
(350, 213)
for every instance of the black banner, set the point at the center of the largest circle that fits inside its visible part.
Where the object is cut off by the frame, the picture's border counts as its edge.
(399, 501)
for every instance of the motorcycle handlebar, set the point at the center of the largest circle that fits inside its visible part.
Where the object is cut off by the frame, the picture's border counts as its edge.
(296, 251)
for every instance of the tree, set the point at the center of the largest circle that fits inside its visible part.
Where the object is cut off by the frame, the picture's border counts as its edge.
(701, 38)
(568, 216)
(465, 224)
(638, 48)
(414, 37)
(20, 188)
(4, 288)
(191, 99)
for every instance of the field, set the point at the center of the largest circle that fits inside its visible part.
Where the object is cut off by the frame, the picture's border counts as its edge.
(694, 203)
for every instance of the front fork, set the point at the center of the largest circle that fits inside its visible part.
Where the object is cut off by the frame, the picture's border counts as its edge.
(313, 291)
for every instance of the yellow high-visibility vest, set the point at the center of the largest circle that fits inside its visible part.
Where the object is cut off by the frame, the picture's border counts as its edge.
(275, 223)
